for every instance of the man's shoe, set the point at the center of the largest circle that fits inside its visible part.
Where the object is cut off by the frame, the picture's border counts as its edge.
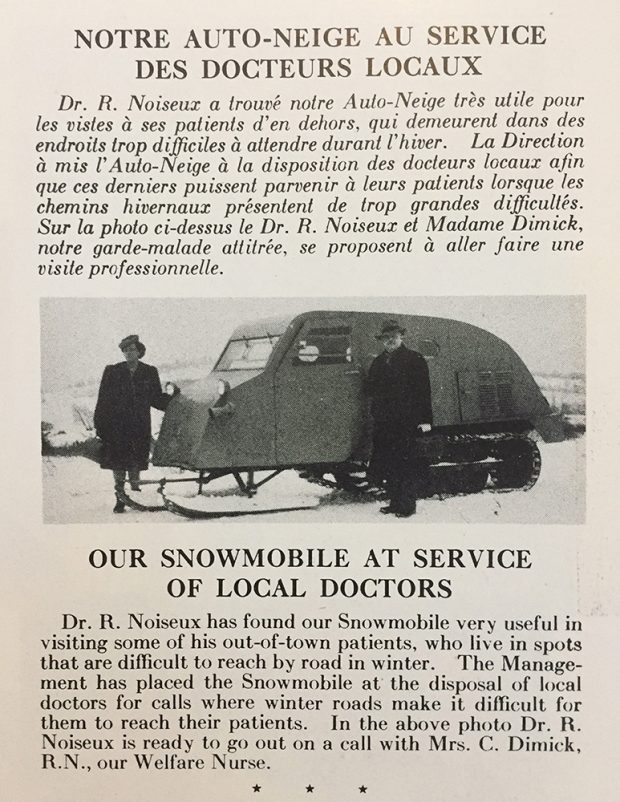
(405, 514)
(119, 506)
(387, 510)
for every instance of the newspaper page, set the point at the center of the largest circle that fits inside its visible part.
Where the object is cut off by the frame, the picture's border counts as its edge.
(307, 491)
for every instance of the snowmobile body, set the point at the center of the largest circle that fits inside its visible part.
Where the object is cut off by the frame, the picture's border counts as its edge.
(289, 393)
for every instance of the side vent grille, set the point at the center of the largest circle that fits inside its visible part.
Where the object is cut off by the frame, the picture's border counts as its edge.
(505, 400)
(495, 394)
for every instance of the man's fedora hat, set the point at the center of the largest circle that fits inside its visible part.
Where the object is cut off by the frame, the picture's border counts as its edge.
(389, 327)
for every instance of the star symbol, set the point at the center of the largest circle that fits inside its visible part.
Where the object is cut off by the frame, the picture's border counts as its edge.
(309, 789)
(256, 789)
(363, 789)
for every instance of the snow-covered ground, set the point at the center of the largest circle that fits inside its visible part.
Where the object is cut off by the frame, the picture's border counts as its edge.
(566, 393)
(75, 490)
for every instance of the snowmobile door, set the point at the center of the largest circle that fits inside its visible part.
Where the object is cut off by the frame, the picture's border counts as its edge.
(319, 395)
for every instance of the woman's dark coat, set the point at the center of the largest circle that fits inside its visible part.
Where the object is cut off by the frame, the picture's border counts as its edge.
(123, 415)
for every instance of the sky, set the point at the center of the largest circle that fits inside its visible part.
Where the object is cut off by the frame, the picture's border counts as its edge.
(79, 336)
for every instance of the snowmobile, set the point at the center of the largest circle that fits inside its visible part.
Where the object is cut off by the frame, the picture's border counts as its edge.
(288, 393)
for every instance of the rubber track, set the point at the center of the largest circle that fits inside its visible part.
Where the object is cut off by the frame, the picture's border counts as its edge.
(373, 491)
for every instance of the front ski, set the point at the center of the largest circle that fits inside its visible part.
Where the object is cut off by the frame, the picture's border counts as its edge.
(252, 507)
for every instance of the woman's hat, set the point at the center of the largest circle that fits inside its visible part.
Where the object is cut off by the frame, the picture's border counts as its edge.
(389, 327)
(132, 339)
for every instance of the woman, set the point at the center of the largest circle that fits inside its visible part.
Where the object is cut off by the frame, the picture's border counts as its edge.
(122, 420)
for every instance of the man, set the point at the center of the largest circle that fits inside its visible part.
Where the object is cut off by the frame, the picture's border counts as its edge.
(399, 387)
(122, 420)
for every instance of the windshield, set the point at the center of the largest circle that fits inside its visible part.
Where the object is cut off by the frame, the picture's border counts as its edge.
(247, 354)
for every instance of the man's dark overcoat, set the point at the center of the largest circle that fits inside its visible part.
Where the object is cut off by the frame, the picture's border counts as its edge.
(399, 387)
(123, 415)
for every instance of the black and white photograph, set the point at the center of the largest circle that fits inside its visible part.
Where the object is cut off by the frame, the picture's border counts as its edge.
(314, 410)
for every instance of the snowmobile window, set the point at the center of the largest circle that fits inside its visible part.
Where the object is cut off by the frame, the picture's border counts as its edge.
(324, 346)
(248, 354)
(307, 353)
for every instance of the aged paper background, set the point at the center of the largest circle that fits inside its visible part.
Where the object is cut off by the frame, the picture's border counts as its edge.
(44, 569)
